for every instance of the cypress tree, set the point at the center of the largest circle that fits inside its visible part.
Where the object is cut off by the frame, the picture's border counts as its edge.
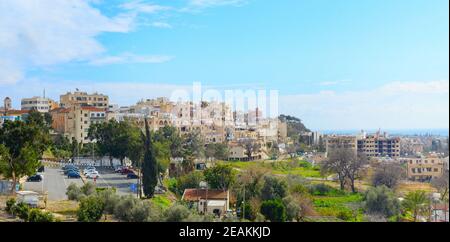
(149, 167)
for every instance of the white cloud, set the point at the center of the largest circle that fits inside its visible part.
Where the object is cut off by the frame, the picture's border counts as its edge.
(143, 7)
(391, 106)
(334, 83)
(162, 25)
(130, 58)
(44, 33)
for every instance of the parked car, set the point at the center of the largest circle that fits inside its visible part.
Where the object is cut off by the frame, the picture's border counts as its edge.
(73, 174)
(126, 171)
(71, 170)
(35, 178)
(41, 169)
(92, 175)
(132, 176)
(90, 170)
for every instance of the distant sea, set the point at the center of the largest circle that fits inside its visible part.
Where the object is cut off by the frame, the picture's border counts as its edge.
(393, 132)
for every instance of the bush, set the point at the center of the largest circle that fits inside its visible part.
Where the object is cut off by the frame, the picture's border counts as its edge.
(345, 215)
(91, 209)
(21, 210)
(10, 204)
(274, 188)
(74, 192)
(177, 213)
(110, 200)
(382, 201)
(37, 216)
(274, 210)
(122, 210)
(88, 189)
(250, 213)
(325, 190)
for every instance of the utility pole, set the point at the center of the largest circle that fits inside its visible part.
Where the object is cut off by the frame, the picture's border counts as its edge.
(243, 206)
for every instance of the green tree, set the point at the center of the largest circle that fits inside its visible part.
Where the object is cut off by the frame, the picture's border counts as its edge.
(191, 180)
(217, 151)
(21, 147)
(91, 209)
(274, 210)
(170, 135)
(221, 176)
(381, 201)
(274, 188)
(150, 166)
(416, 202)
(193, 146)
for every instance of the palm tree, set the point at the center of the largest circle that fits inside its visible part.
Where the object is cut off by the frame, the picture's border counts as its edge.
(416, 202)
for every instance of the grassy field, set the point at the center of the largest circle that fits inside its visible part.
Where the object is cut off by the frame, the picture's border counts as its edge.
(345, 207)
(288, 167)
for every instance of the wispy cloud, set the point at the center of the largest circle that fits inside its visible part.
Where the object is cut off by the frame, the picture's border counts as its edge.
(143, 7)
(129, 58)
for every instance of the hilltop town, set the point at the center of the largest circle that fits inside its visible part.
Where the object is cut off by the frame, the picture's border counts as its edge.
(225, 164)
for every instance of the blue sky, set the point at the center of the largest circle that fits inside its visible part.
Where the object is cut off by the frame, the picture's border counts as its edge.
(345, 64)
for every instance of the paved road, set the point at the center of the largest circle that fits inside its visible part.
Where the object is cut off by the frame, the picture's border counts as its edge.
(55, 183)
(110, 179)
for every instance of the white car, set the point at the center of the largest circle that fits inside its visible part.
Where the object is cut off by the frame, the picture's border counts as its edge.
(90, 172)
(92, 175)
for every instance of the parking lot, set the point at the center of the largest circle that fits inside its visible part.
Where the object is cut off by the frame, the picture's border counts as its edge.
(55, 183)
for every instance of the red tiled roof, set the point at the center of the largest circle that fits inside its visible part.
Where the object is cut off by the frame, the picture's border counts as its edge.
(60, 110)
(93, 109)
(193, 195)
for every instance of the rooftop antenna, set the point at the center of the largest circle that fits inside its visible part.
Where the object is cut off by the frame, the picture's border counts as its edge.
(44, 92)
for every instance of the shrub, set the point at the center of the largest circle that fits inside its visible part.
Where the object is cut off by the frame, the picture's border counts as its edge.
(10, 204)
(345, 215)
(88, 189)
(21, 210)
(274, 210)
(177, 213)
(91, 209)
(122, 210)
(37, 216)
(74, 192)
(381, 200)
(274, 188)
(110, 200)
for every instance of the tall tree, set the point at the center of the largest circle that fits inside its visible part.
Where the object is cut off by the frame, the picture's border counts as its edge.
(251, 147)
(22, 145)
(337, 163)
(388, 175)
(355, 168)
(149, 167)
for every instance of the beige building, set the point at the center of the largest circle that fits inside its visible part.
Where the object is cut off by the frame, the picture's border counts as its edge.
(425, 168)
(40, 104)
(341, 142)
(74, 122)
(84, 99)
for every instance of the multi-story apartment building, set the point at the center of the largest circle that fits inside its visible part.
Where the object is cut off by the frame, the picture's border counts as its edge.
(74, 122)
(425, 168)
(379, 146)
(84, 99)
(334, 143)
(40, 104)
